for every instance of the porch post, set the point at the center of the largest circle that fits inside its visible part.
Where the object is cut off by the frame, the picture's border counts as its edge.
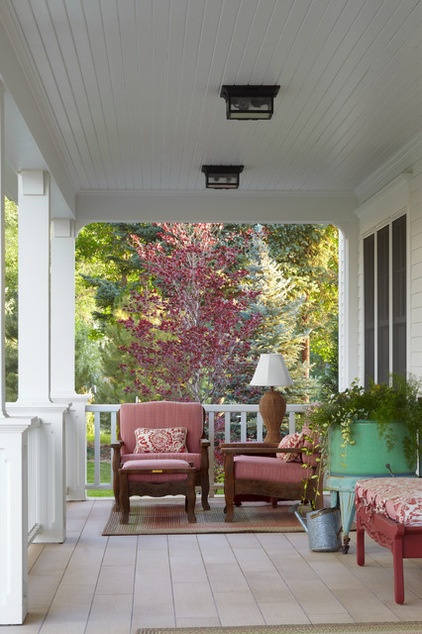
(13, 464)
(13, 521)
(63, 354)
(34, 351)
(348, 304)
(34, 288)
(2, 261)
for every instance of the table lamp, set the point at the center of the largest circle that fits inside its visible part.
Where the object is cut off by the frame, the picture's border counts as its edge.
(271, 371)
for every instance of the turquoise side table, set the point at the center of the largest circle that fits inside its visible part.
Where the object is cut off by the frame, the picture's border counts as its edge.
(343, 495)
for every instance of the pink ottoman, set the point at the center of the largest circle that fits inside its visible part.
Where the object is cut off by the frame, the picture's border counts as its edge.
(157, 478)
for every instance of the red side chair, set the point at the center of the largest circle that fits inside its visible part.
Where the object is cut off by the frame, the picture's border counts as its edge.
(165, 415)
(252, 471)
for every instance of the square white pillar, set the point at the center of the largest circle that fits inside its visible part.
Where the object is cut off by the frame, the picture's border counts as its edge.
(34, 287)
(14, 520)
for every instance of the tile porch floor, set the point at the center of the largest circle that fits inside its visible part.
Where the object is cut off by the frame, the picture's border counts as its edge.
(98, 585)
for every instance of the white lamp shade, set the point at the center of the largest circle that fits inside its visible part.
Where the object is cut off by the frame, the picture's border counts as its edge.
(271, 371)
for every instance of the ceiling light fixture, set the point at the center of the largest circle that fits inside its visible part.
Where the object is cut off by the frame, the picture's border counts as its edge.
(249, 102)
(222, 176)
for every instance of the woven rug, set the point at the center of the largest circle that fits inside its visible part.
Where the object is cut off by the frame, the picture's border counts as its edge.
(147, 518)
(327, 628)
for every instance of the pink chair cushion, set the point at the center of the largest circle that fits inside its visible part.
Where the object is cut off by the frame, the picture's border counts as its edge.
(161, 414)
(268, 469)
(194, 458)
(156, 464)
(400, 499)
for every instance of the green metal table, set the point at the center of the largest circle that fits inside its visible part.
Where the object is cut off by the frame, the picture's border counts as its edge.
(343, 495)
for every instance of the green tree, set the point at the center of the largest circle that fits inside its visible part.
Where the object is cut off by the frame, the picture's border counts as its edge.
(11, 300)
(278, 304)
(190, 321)
(107, 267)
(292, 268)
(309, 255)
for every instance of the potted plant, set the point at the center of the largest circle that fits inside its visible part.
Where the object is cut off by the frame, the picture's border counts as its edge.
(370, 431)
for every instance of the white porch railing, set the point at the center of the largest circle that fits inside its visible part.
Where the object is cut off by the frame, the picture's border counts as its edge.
(225, 423)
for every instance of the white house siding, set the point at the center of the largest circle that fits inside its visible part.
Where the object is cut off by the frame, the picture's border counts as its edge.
(415, 239)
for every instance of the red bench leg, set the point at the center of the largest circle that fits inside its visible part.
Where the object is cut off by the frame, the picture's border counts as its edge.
(398, 569)
(360, 545)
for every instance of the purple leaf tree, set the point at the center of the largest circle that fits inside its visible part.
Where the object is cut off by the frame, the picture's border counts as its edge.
(190, 321)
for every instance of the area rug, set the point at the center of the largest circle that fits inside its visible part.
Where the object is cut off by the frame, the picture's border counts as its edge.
(321, 628)
(164, 518)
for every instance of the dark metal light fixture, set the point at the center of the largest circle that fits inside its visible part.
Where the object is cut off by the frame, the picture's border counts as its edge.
(249, 102)
(222, 176)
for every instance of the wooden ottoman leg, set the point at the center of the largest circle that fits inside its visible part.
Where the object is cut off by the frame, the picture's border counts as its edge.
(124, 497)
(398, 569)
(205, 490)
(229, 486)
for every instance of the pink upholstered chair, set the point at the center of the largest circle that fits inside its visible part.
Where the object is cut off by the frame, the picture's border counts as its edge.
(166, 415)
(252, 471)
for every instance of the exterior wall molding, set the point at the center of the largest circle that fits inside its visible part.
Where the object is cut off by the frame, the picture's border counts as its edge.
(385, 204)
(409, 154)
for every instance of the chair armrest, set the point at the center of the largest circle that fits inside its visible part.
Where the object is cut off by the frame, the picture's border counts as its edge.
(116, 446)
(242, 445)
(116, 458)
(205, 443)
(254, 449)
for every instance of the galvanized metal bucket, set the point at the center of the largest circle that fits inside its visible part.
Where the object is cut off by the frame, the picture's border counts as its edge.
(323, 528)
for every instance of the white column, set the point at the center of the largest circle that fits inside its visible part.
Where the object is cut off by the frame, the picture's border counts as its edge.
(13, 521)
(63, 354)
(2, 261)
(348, 350)
(13, 466)
(62, 309)
(34, 288)
(34, 350)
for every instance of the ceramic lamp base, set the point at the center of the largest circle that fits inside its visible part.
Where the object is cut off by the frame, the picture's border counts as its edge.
(272, 408)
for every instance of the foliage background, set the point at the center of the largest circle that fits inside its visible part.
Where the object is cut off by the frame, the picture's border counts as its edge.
(292, 270)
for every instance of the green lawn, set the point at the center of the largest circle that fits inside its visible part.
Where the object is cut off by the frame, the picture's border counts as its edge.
(104, 477)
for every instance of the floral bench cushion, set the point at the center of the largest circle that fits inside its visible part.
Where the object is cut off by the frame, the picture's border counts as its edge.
(400, 499)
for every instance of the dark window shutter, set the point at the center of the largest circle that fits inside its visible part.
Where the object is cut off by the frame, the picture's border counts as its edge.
(383, 303)
(369, 303)
(399, 296)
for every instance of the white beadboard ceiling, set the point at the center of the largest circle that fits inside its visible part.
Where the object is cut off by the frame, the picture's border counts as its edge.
(129, 89)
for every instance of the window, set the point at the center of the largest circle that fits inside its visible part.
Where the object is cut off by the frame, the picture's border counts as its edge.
(384, 261)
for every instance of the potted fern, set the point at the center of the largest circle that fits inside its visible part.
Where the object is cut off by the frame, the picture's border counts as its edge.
(370, 431)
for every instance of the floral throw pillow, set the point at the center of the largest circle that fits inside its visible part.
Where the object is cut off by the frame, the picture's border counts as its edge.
(291, 441)
(165, 440)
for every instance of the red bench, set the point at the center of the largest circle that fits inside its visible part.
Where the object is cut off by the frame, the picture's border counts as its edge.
(390, 511)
